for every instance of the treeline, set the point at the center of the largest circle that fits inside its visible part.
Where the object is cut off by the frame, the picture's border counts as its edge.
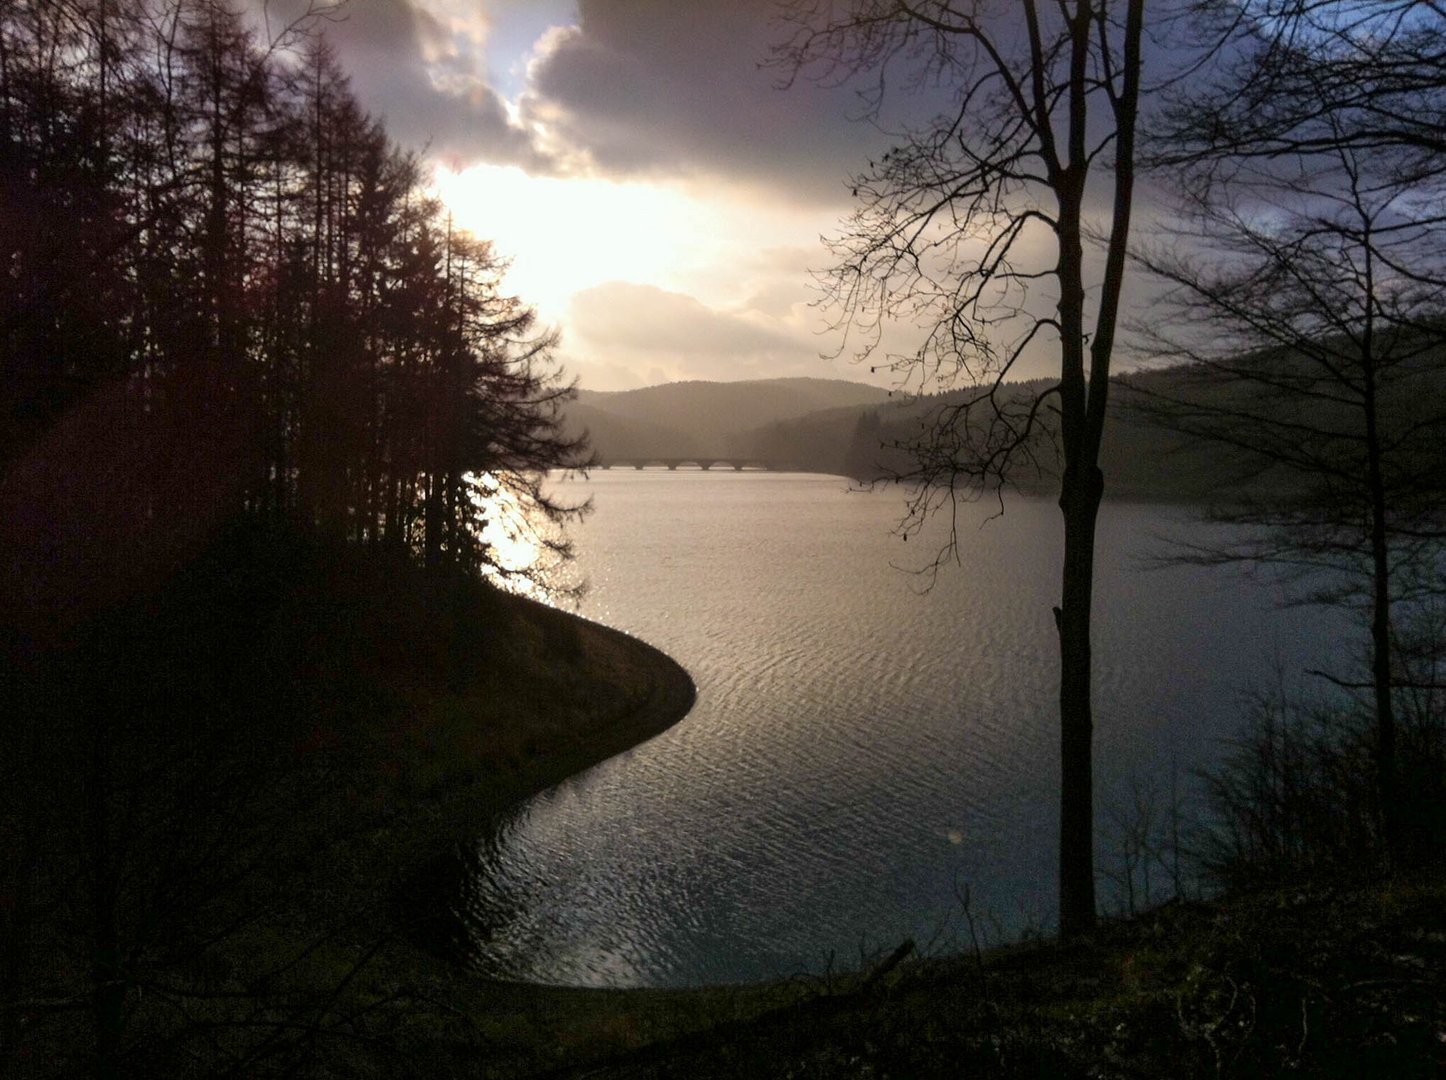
(249, 374)
(228, 290)
(753, 419)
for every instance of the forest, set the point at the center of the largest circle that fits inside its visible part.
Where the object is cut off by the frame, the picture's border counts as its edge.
(250, 291)
(255, 391)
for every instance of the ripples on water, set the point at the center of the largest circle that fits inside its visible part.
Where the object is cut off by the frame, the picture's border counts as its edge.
(860, 750)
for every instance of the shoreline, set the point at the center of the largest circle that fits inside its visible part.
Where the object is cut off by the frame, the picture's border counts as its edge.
(431, 843)
(670, 697)
(657, 693)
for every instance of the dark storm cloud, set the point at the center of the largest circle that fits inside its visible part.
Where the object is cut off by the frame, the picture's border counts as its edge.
(658, 87)
(424, 77)
(637, 89)
(663, 87)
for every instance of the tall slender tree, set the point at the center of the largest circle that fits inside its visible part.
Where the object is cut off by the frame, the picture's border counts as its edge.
(1305, 290)
(958, 220)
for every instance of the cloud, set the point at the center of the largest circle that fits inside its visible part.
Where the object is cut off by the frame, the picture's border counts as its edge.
(646, 318)
(643, 89)
(647, 332)
(420, 65)
(647, 89)
(658, 88)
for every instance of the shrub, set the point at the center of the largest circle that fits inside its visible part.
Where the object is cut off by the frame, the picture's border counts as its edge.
(1296, 798)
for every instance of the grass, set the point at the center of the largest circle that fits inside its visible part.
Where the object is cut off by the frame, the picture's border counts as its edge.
(1318, 982)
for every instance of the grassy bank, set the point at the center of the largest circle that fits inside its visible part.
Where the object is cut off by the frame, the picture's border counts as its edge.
(223, 786)
(1309, 982)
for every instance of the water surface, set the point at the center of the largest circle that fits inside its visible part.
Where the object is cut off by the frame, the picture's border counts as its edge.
(863, 749)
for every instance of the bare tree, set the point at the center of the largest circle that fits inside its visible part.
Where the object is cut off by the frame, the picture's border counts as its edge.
(1032, 153)
(1305, 295)
(1309, 77)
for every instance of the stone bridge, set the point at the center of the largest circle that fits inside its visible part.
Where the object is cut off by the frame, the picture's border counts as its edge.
(737, 464)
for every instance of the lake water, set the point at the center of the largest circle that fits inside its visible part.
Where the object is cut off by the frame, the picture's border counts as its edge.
(861, 752)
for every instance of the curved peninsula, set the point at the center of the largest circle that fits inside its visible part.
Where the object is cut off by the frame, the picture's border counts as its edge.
(263, 739)
(559, 695)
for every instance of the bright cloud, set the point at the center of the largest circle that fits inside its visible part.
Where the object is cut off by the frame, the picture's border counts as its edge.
(564, 235)
(649, 278)
(632, 155)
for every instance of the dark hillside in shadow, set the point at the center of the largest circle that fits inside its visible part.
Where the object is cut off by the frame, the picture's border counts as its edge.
(862, 433)
(219, 790)
(717, 419)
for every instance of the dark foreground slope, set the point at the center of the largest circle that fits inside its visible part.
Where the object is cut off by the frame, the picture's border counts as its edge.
(1325, 983)
(219, 792)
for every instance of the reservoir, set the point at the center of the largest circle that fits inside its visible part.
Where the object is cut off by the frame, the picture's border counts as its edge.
(873, 753)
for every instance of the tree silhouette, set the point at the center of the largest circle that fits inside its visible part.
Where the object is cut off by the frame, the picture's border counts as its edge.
(236, 329)
(954, 225)
(1309, 310)
(1299, 77)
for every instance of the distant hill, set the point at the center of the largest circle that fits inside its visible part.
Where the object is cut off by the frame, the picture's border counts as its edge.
(710, 419)
(850, 429)
(614, 437)
(1140, 458)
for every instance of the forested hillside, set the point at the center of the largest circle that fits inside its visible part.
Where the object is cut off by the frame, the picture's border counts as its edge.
(711, 418)
(228, 291)
(865, 434)
(852, 430)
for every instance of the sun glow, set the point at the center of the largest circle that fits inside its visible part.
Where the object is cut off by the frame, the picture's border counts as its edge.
(515, 551)
(568, 234)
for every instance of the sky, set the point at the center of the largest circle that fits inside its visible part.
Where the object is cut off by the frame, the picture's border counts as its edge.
(660, 197)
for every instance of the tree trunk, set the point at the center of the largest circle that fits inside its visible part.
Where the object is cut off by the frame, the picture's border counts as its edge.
(1386, 780)
(1079, 501)
(107, 987)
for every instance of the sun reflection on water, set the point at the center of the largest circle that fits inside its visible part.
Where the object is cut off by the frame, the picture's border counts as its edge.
(520, 543)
